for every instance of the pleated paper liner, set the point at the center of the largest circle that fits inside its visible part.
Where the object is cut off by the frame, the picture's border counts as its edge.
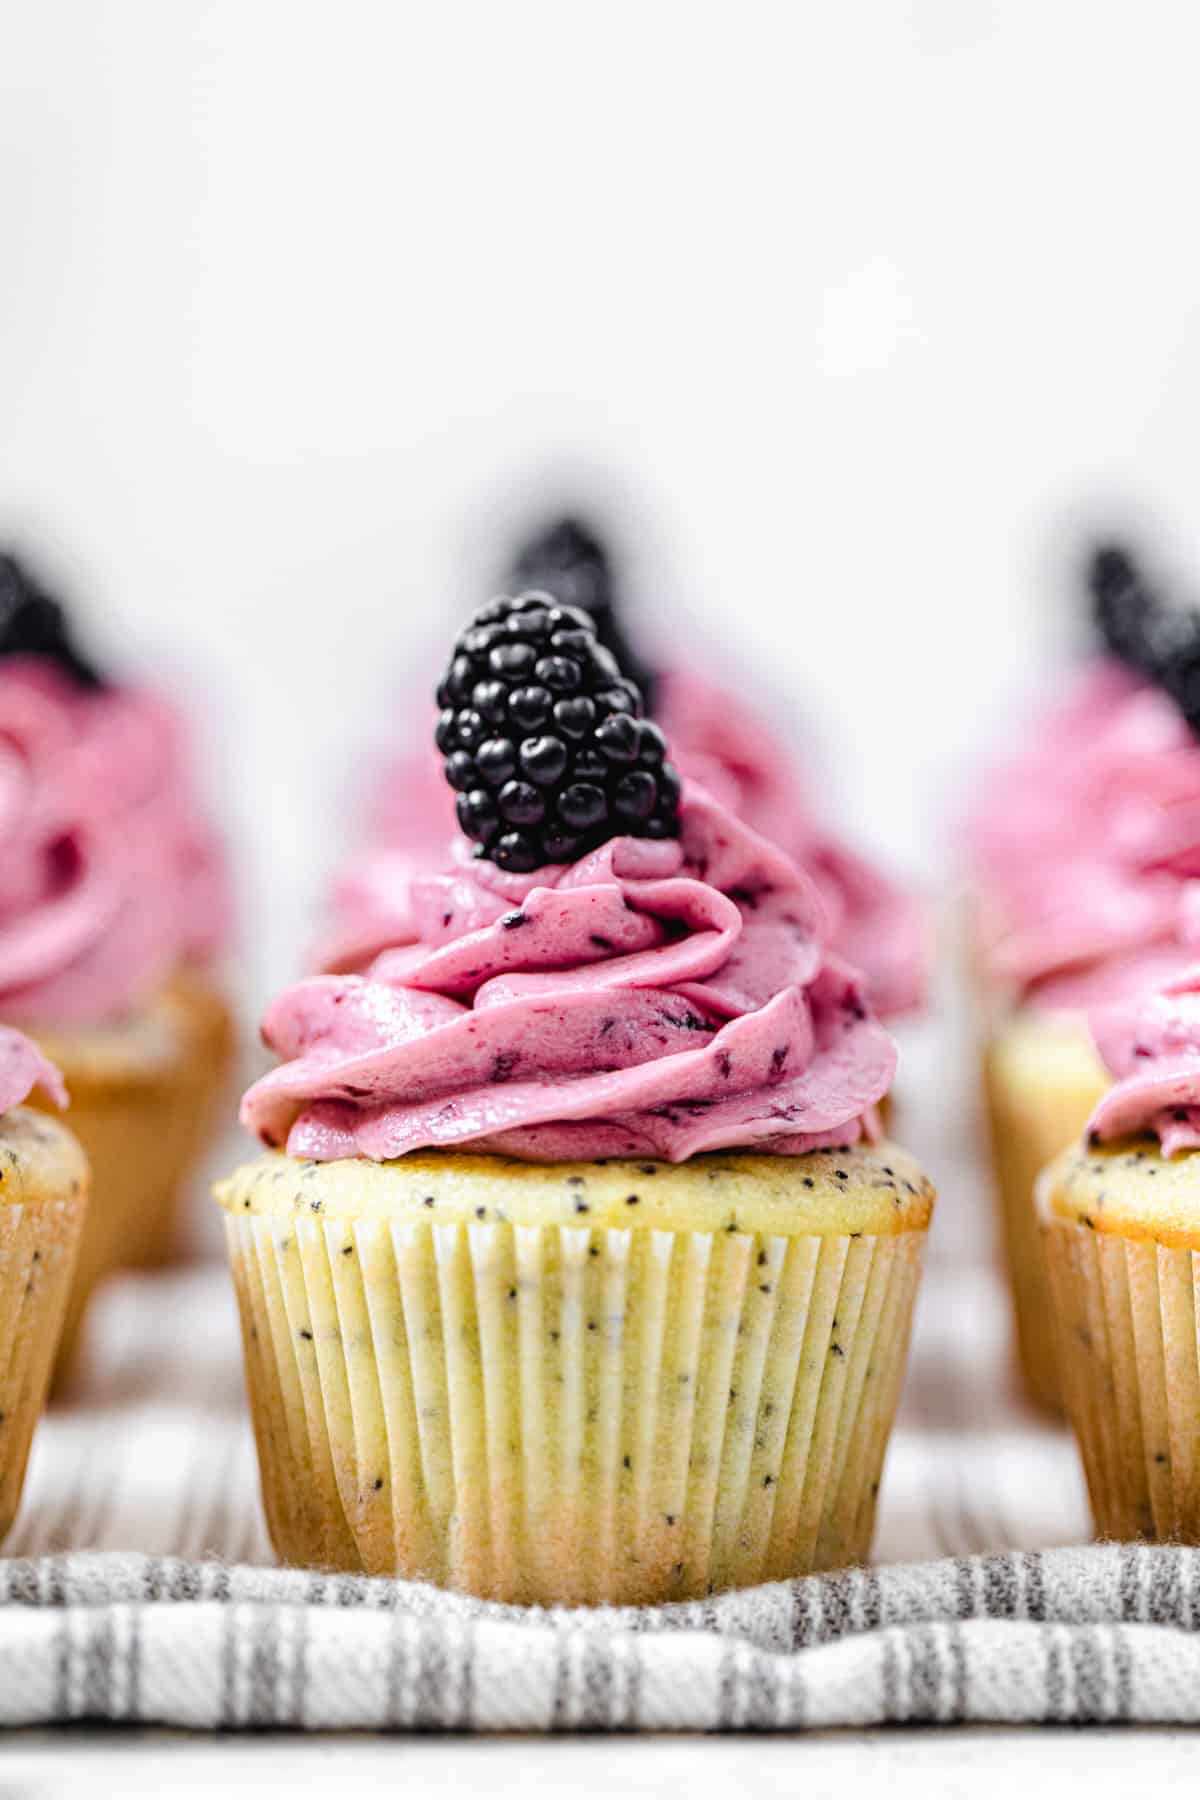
(142, 1096)
(1041, 1080)
(1127, 1308)
(43, 1197)
(203, 1096)
(558, 1413)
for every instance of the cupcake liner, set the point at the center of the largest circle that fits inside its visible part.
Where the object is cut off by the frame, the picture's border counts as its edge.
(141, 1116)
(39, 1239)
(562, 1414)
(189, 1119)
(1034, 1109)
(1126, 1311)
(131, 1149)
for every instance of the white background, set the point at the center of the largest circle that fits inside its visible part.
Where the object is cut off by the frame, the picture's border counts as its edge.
(859, 307)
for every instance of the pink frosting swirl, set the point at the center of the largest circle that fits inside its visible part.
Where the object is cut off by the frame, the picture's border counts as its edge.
(724, 747)
(874, 923)
(653, 999)
(1085, 845)
(22, 1068)
(109, 875)
(1151, 1046)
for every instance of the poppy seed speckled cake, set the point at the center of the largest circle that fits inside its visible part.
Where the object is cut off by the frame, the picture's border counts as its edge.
(1119, 1212)
(43, 1203)
(575, 1269)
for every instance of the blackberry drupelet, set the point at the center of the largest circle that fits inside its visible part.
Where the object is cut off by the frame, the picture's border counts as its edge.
(569, 561)
(34, 624)
(544, 741)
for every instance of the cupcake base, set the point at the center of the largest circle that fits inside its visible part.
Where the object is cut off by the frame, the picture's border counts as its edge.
(143, 1092)
(43, 1198)
(1041, 1080)
(1121, 1229)
(618, 1382)
(203, 1096)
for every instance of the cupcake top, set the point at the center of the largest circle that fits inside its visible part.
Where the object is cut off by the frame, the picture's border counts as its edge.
(717, 740)
(651, 998)
(874, 923)
(646, 977)
(1151, 1046)
(23, 1068)
(1085, 843)
(110, 876)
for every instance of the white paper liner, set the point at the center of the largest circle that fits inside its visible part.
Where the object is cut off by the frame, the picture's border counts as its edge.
(38, 1245)
(1030, 1121)
(1126, 1311)
(562, 1414)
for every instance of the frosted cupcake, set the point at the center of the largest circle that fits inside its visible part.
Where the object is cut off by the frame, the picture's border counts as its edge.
(1085, 849)
(43, 1200)
(576, 1271)
(716, 740)
(112, 912)
(1120, 1216)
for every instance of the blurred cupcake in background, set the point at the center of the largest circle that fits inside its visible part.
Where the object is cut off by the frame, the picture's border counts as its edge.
(114, 912)
(1084, 859)
(576, 1270)
(1119, 1213)
(717, 740)
(43, 1203)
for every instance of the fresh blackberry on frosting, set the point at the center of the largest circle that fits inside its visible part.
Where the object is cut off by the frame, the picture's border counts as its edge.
(544, 741)
(32, 623)
(1143, 625)
(1173, 636)
(1121, 602)
(569, 561)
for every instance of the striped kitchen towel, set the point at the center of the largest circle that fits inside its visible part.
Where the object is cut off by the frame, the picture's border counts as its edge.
(1104, 1634)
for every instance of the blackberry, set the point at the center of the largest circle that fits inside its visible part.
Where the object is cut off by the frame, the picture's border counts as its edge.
(34, 624)
(1179, 672)
(544, 740)
(1140, 624)
(569, 561)
(1124, 607)
(1146, 628)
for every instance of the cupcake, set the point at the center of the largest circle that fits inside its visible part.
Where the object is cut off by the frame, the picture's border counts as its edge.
(112, 914)
(43, 1201)
(575, 1270)
(716, 739)
(1120, 1219)
(1085, 848)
